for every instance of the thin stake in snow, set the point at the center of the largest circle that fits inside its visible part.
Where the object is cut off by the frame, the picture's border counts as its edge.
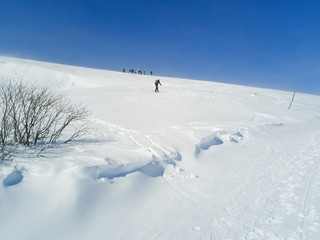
(292, 100)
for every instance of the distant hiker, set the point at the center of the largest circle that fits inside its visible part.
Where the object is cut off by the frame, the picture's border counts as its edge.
(144, 73)
(156, 83)
(124, 70)
(151, 73)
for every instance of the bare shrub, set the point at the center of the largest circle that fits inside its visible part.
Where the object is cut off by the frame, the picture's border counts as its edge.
(32, 115)
(6, 144)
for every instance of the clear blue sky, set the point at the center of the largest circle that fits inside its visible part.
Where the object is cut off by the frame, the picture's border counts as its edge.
(265, 43)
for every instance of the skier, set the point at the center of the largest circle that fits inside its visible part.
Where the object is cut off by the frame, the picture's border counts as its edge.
(156, 83)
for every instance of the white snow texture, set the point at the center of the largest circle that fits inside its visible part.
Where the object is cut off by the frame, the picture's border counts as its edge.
(198, 160)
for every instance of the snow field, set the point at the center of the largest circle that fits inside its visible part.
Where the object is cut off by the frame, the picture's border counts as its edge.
(198, 160)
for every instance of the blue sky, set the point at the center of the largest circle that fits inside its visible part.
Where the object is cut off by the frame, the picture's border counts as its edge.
(270, 44)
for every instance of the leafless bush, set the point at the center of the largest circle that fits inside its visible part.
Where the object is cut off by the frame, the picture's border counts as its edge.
(6, 144)
(32, 115)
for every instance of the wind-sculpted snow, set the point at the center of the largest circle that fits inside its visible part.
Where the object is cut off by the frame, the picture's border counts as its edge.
(15, 177)
(198, 160)
(217, 139)
(236, 137)
(152, 169)
(208, 142)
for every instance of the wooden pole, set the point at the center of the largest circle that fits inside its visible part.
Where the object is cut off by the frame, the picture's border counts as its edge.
(292, 100)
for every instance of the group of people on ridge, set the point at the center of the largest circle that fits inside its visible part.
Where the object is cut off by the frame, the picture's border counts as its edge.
(136, 72)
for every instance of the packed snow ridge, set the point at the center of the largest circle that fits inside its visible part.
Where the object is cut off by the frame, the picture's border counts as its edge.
(198, 160)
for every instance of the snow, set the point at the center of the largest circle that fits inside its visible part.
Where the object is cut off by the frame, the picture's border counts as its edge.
(198, 160)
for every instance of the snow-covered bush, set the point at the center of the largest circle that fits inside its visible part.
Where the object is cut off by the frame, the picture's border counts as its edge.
(31, 115)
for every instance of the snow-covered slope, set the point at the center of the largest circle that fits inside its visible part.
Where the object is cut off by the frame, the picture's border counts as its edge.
(198, 160)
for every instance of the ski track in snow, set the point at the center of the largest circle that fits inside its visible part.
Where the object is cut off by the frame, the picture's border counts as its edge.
(273, 203)
(280, 206)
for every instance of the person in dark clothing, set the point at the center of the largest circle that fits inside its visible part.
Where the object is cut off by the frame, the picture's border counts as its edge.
(156, 83)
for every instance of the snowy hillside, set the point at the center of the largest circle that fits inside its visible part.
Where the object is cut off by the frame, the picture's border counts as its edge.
(198, 160)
